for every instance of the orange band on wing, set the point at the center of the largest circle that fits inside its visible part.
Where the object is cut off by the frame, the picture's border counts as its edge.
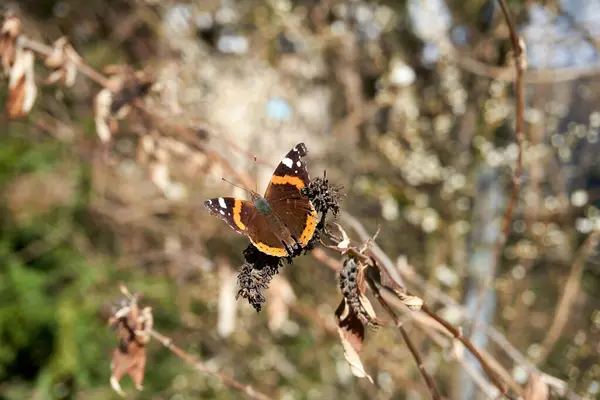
(237, 215)
(287, 179)
(272, 251)
(311, 225)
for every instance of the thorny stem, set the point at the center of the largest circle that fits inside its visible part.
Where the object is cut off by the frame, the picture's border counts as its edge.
(168, 343)
(415, 353)
(520, 64)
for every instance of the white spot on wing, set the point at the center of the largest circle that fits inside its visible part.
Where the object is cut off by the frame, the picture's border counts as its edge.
(287, 162)
(221, 211)
(222, 202)
(298, 163)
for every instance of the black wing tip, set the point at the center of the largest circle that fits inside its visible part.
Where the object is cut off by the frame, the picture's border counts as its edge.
(301, 149)
(208, 204)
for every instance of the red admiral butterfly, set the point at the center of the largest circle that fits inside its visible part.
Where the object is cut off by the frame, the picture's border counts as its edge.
(281, 222)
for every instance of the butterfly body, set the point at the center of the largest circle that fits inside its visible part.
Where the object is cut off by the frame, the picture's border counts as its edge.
(283, 220)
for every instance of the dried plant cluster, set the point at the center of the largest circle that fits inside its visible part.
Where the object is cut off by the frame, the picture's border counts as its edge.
(132, 326)
(443, 150)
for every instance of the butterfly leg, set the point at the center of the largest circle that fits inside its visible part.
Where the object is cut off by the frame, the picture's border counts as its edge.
(292, 248)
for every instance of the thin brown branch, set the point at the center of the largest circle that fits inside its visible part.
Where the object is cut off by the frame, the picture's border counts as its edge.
(457, 333)
(565, 305)
(414, 351)
(85, 69)
(520, 61)
(226, 380)
(531, 77)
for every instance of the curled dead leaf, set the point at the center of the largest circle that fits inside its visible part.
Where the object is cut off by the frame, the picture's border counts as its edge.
(102, 106)
(10, 31)
(131, 362)
(352, 334)
(133, 326)
(63, 62)
(345, 243)
(368, 309)
(414, 303)
(22, 89)
(536, 389)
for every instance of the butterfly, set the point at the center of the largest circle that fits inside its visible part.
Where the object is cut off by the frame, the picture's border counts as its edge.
(283, 220)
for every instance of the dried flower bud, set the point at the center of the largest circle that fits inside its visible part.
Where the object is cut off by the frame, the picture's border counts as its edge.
(22, 90)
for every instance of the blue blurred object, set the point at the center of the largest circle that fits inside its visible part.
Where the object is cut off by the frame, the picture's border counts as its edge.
(278, 109)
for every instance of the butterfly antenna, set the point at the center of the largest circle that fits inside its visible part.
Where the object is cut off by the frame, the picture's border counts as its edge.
(238, 186)
(256, 180)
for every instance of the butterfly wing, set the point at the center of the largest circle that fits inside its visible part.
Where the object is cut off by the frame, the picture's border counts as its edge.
(285, 198)
(237, 213)
(243, 218)
(263, 238)
(292, 169)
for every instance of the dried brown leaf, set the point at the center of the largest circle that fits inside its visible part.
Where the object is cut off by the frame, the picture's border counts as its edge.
(102, 106)
(132, 361)
(10, 31)
(352, 335)
(368, 307)
(22, 89)
(414, 303)
(536, 389)
(345, 243)
(63, 61)
(133, 327)
(57, 57)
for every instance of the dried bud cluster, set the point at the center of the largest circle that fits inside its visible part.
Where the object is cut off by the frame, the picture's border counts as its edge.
(324, 196)
(353, 285)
